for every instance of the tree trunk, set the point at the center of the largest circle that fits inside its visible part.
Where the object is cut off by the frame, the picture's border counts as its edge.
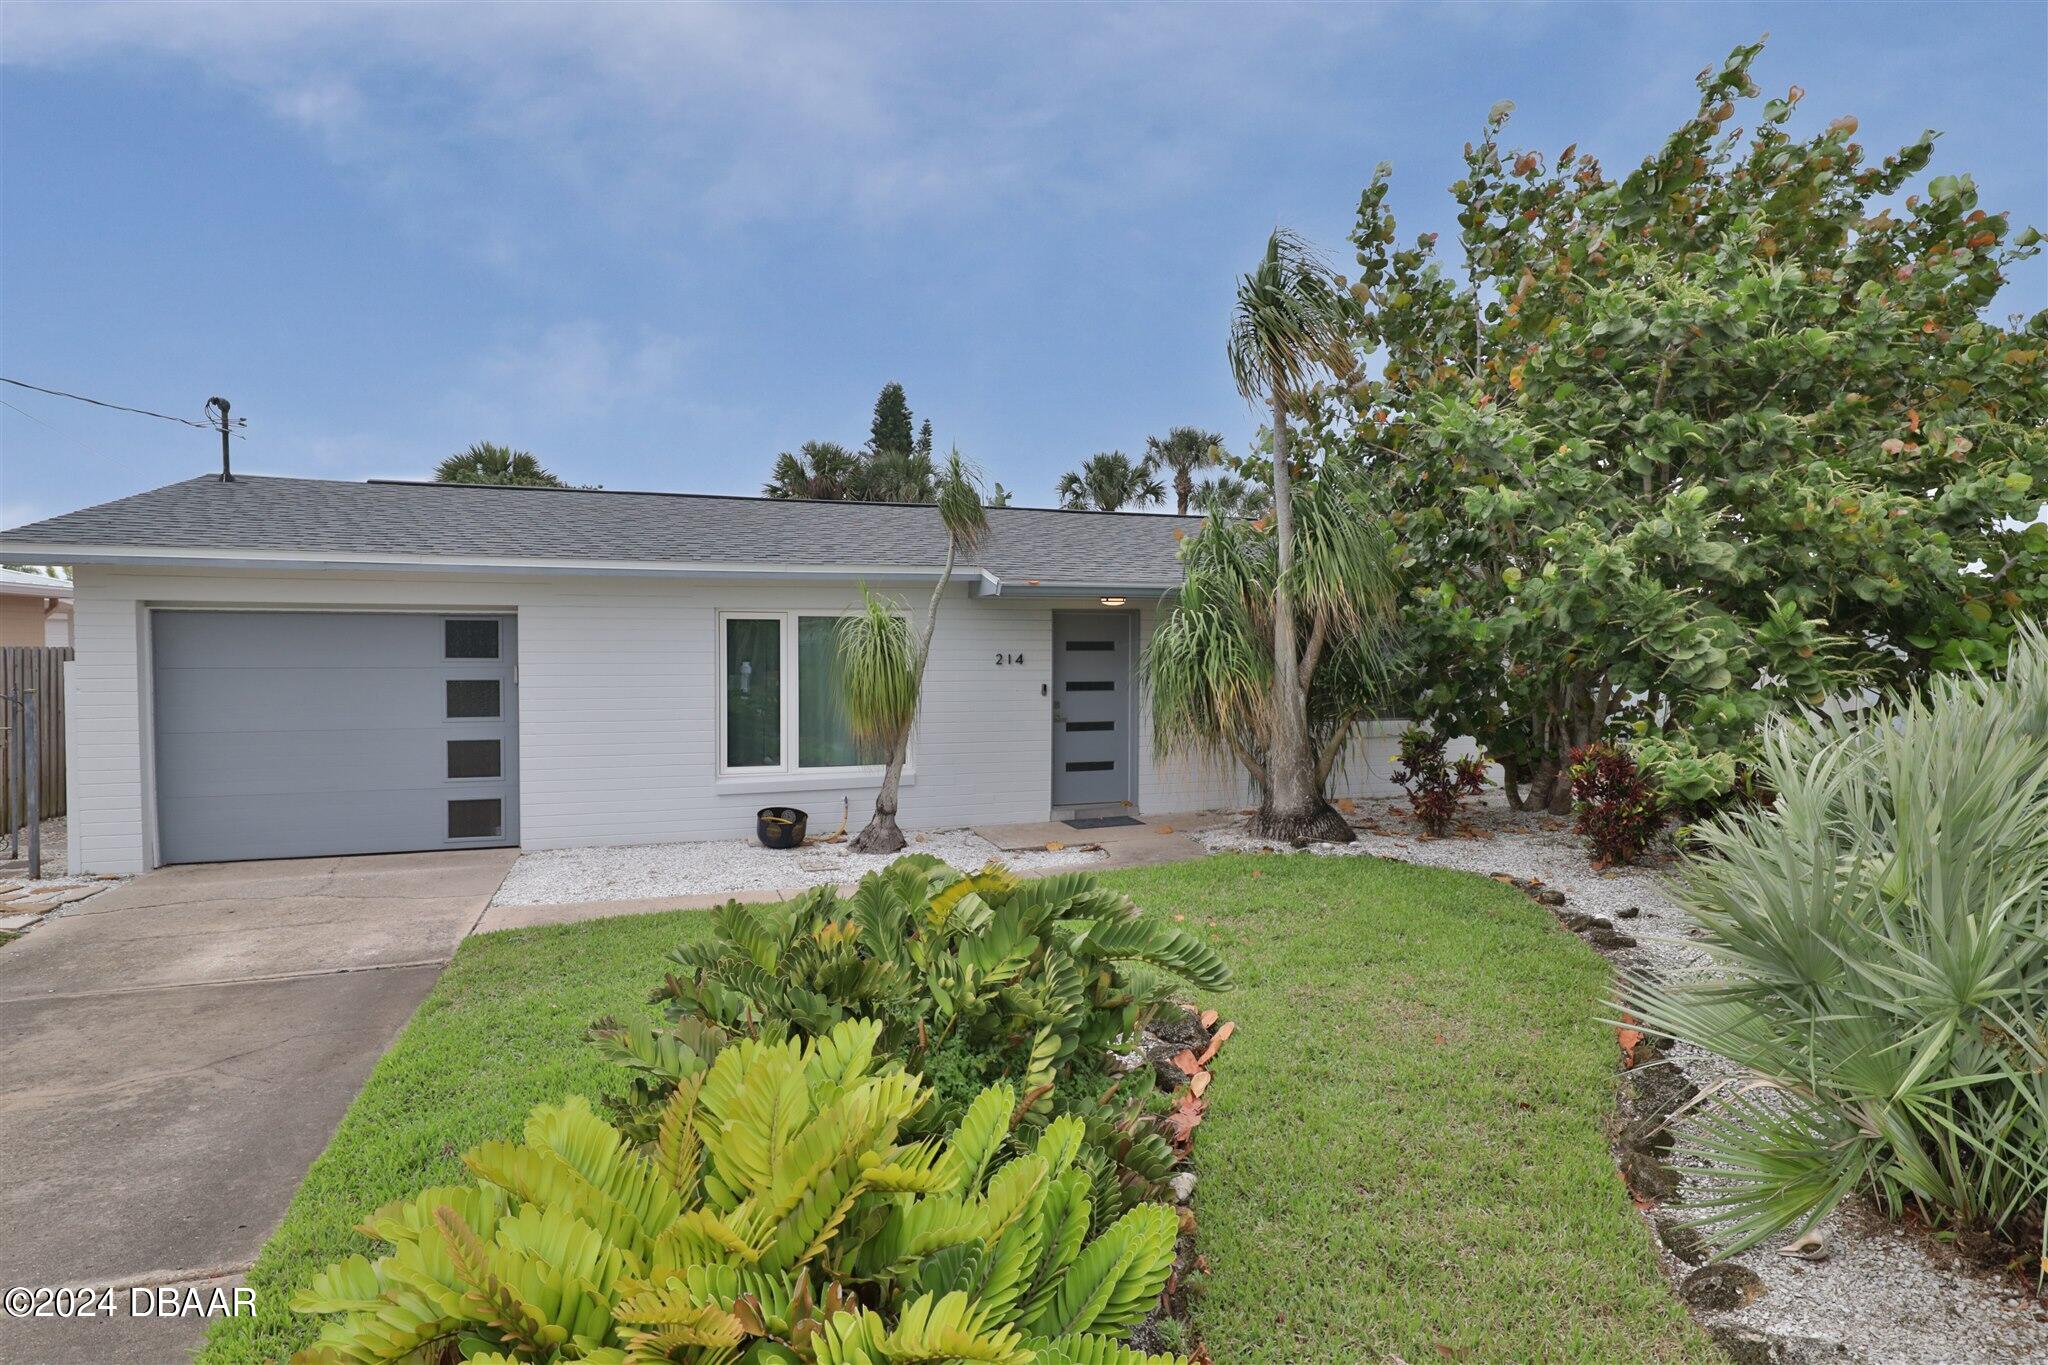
(881, 833)
(1292, 806)
(1183, 490)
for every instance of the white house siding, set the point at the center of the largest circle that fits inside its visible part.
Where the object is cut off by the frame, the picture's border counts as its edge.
(617, 697)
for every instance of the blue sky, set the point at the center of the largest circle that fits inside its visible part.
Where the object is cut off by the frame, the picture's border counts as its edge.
(655, 245)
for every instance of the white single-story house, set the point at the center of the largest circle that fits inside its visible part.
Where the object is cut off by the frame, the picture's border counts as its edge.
(282, 667)
(35, 609)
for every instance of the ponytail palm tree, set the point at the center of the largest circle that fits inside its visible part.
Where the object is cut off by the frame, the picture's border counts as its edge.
(1287, 329)
(884, 669)
(486, 462)
(1109, 482)
(1212, 668)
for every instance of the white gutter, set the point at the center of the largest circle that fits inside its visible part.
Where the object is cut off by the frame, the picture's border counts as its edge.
(313, 561)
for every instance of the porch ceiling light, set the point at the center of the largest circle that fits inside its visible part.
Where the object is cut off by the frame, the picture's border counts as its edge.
(1113, 601)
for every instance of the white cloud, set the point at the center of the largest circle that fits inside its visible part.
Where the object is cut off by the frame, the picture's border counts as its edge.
(651, 117)
(571, 370)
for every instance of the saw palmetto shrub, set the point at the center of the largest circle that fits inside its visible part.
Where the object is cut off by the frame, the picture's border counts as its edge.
(780, 1218)
(1879, 938)
(975, 978)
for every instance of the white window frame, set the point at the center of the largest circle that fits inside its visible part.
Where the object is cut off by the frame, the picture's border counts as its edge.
(788, 767)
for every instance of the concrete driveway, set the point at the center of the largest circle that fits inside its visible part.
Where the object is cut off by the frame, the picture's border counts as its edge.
(178, 1051)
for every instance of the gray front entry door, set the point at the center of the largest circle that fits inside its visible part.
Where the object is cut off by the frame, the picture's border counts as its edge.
(298, 734)
(1093, 747)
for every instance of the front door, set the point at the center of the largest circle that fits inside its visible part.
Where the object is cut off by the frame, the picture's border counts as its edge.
(1093, 711)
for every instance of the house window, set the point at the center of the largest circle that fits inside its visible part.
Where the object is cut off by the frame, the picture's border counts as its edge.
(784, 696)
(753, 692)
(824, 735)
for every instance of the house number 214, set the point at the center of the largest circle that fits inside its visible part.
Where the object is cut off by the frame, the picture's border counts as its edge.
(1002, 658)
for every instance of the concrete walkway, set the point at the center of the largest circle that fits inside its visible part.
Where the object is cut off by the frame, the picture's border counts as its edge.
(176, 1053)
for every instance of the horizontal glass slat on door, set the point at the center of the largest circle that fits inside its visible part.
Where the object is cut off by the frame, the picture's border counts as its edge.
(470, 639)
(1078, 645)
(1099, 766)
(472, 698)
(1091, 687)
(484, 819)
(1074, 725)
(475, 758)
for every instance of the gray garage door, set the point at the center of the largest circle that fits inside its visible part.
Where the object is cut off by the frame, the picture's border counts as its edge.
(298, 734)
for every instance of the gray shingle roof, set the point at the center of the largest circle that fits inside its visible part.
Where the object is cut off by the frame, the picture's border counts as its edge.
(456, 521)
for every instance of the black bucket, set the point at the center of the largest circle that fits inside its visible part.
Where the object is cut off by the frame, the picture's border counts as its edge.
(780, 826)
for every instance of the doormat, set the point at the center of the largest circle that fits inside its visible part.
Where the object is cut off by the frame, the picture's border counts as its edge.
(1102, 822)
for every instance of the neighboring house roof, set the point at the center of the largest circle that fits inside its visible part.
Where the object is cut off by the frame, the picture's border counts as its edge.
(20, 583)
(279, 521)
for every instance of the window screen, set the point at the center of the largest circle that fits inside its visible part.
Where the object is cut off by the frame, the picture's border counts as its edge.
(471, 639)
(753, 693)
(475, 758)
(472, 698)
(476, 819)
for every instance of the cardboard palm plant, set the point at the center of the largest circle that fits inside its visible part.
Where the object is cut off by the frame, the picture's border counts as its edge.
(779, 1219)
(972, 978)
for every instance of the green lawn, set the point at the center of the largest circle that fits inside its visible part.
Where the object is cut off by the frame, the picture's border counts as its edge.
(501, 1031)
(1404, 1154)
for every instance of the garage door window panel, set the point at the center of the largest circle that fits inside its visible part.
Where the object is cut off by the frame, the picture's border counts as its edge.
(476, 819)
(473, 699)
(470, 639)
(472, 758)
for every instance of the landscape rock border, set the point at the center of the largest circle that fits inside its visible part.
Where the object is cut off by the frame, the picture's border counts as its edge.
(1177, 1048)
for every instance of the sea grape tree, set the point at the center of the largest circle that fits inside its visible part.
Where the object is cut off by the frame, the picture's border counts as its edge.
(1676, 449)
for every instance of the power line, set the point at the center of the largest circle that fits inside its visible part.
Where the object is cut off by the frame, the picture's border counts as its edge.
(117, 407)
(90, 450)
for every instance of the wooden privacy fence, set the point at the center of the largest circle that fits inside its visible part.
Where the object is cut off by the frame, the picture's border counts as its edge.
(21, 667)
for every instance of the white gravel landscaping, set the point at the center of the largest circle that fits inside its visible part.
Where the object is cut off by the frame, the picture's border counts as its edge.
(1882, 1296)
(569, 876)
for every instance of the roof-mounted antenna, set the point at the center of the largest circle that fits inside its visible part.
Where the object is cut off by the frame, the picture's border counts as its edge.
(219, 406)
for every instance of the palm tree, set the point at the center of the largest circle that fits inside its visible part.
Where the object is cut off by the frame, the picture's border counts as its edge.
(1110, 482)
(1185, 450)
(819, 470)
(895, 476)
(1211, 665)
(486, 462)
(884, 671)
(1288, 326)
(1226, 496)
